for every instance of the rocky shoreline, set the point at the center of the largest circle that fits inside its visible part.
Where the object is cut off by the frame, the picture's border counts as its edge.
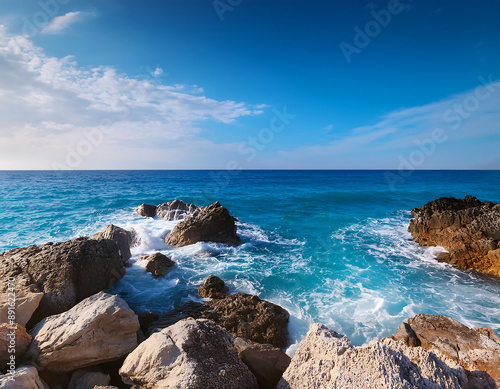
(70, 333)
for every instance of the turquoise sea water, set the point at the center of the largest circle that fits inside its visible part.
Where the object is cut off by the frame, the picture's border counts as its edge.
(329, 246)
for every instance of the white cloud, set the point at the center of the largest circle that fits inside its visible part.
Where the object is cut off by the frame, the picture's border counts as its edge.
(61, 23)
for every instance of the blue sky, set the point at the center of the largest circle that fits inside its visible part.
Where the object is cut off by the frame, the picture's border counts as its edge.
(203, 84)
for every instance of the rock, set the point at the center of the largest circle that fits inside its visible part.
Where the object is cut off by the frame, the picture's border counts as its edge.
(213, 287)
(123, 238)
(158, 264)
(175, 210)
(468, 229)
(406, 334)
(12, 335)
(326, 359)
(147, 210)
(99, 329)
(145, 320)
(66, 272)
(472, 348)
(266, 362)
(209, 224)
(26, 303)
(25, 377)
(241, 314)
(191, 354)
(105, 387)
(82, 379)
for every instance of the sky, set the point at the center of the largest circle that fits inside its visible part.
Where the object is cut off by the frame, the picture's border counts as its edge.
(249, 84)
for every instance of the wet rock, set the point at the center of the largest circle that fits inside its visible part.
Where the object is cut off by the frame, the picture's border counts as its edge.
(123, 238)
(209, 224)
(15, 335)
(25, 377)
(175, 210)
(147, 210)
(191, 354)
(213, 287)
(158, 264)
(99, 329)
(468, 229)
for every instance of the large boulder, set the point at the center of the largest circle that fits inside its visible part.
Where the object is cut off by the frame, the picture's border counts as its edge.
(25, 377)
(213, 287)
(209, 224)
(99, 329)
(266, 362)
(475, 349)
(191, 354)
(468, 229)
(158, 264)
(147, 210)
(326, 359)
(12, 337)
(123, 238)
(175, 210)
(243, 315)
(26, 303)
(65, 272)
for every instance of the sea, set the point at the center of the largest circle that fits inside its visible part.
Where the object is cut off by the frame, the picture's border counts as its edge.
(330, 246)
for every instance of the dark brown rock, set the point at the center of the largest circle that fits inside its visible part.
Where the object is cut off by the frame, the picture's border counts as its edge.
(66, 272)
(147, 210)
(406, 334)
(209, 224)
(468, 229)
(213, 287)
(123, 238)
(175, 210)
(266, 362)
(158, 264)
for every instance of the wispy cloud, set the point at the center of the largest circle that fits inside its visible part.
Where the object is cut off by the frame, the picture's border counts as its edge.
(60, 23)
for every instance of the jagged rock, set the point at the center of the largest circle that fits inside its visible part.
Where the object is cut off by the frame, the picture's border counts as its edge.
(406, 334)
(158, 264)
(241, 314)
(175, 210)
(191, 354)
(147, 210)
(266, 362)
(213, 287)
(65, 272)
(25, 377)
(16, 336)
(209, 224)
(326, 359)
(26, 303)
(473, 348)
(99, 329)
(123, 238)
(468, 229)
(82, 379)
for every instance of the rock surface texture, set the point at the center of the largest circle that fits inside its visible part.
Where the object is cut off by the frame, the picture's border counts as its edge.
(213, 287)
(191, 354)
(326, 359)
(81, 379)
(475, 349)
(25, 377)
(99, 329)
(26, 303)
(175, 210)
(158, 264)
(468, 229)
(66, 272)
(123, 238)
(20, 339)
(147, 210)
(209, 224)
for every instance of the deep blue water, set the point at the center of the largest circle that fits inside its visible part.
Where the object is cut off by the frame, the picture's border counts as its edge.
(329, 246)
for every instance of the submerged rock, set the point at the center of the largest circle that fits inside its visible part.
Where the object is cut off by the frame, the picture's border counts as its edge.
(175, 210)
(158, 264)
(475, 349)
(25, 377)
(209, 224)
(65, 272)
(191, 354)
(468, 229)
(99, 329)
(123, 238)
(147, 210)
(326, 359)
(213, 287)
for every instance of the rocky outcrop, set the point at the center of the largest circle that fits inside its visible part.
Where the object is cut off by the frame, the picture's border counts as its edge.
(82, 379)
(468, 229)
(209, 224)
(99, 329)
(25, 377)
(66, 272)
(266, 362)
(17, 337)
(26, 303)
(326, 359)
(175, 210)
(158, 264)
(241, 314)
(191, 354)
(475, 349)
(213, 287)
(147, 210)
(123, 238)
